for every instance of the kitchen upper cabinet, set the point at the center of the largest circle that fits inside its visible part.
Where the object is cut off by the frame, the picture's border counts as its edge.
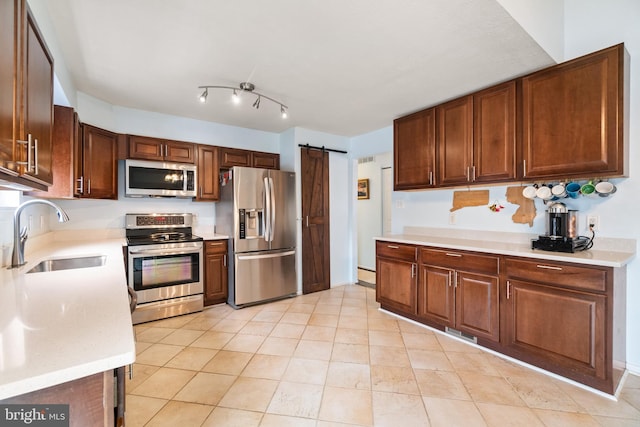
(573, 118)
(494, 134)
(414, 152)
(459, 290)
(230, 157)
(26, 106)
(263, 160)
(566, 318)
(396, 276)
(84, 160)
(455, 141)
(99, 179)
(146, 148)
(208, 173)
(216, 270)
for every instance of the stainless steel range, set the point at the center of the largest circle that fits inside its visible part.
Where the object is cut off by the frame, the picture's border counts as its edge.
(164, 265)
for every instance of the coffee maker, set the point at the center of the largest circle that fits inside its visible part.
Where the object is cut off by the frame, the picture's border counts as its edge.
(561, 231)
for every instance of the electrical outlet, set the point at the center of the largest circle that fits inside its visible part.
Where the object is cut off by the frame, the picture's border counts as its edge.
(593, 221)
(452, 218)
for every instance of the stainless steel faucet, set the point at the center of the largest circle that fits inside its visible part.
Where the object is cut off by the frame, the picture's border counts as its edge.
(20, 235)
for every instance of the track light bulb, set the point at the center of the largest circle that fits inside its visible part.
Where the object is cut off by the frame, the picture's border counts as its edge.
(203, 96)
(283, 112)
(235, 98)
(256, 104)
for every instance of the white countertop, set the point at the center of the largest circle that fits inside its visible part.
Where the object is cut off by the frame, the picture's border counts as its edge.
(616, 252)
(63, 325)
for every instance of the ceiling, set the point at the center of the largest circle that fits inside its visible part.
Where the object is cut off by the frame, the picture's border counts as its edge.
(342, 67)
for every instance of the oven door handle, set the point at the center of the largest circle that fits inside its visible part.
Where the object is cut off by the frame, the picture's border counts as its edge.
(165, 251)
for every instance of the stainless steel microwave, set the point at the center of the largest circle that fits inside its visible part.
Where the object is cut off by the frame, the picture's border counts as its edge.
(159, 179)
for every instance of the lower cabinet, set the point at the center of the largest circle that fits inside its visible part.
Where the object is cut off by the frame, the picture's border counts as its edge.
(396, 277)
(459, 290)
(216, 269)
(566, 318)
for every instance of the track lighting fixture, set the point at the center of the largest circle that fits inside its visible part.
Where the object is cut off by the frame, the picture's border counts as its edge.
(237, 91)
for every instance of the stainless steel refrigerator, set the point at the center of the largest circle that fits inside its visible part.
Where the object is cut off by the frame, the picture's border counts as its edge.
(257, 210)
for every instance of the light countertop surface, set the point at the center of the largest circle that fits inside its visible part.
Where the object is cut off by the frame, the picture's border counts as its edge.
(611, 255)
(63, 325)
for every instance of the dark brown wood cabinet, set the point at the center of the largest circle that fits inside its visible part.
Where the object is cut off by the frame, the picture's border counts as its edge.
(396, 276)
(216, 272)
(85, 161)
(99, 179)
(455, 141)
(565, 318)
(414, 152)
(26, 104)
(573, 118)
(460, 290)
(494, 134)
(230, 157)
(208, 173)
(263, 160)
(147, 148)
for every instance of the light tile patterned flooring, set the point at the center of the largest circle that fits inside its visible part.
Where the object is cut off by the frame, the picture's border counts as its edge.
(333, 359)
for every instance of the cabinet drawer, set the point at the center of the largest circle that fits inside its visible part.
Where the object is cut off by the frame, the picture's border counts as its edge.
(215, 247)
(589, 278)
(396, 251)
(462, 261)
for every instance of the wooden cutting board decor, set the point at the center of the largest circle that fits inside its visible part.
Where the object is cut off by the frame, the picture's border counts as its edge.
(526, 211)
(465, 199)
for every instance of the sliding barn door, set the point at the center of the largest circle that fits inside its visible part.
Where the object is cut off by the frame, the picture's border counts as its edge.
(315, 220)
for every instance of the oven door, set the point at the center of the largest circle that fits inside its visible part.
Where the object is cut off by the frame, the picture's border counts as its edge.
(160, 272)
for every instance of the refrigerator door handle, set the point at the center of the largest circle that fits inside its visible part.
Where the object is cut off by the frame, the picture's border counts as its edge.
(267, 214)
(272, 210)
(263, 256)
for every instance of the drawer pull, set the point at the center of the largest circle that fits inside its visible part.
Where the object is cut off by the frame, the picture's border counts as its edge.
(549, 267)
(393, 247)
(452, 254)
(508, 289)
(413, 271)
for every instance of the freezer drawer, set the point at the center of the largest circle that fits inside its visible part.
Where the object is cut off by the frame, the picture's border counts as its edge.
(263, 276)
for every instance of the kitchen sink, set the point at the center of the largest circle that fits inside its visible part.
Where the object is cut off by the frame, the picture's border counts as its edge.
(69, 263)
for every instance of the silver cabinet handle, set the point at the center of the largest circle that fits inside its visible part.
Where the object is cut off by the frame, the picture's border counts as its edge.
(508, 289)
(549, 267)
(35, 156)
(413, 271)
(467, 173)
(89, 186)
(307, 221)
(28, 163)
(453, 254)
(393, 247)
(450, 279)
(224, 260)
(430, 177)
(81, 186)
(473, 173)
(524, 168)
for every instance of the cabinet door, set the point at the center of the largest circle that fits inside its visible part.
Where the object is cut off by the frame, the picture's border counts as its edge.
(215, 272)
(181, 152)
(265, 160)
(396, 284)
(208, 173)
(37, 104)
(572, 117)
(455, 139)
(230, 157)
(478, 305)
(144, 148)
(100, 164)
(8, 85)
(557, 329)
(494, 134)
(414, 153)
(436, 295)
